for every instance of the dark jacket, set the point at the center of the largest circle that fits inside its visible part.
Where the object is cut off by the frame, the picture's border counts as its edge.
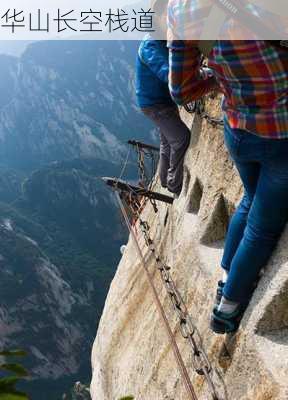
(152, 70)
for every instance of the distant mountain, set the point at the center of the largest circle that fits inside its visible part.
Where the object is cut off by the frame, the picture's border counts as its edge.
(59, 244)
(39, 307)
(71, 99)
(66, 110)
(13, 47)
(69, 197)
(10, 184)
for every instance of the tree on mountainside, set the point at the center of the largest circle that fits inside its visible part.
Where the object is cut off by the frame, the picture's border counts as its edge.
(12, 374)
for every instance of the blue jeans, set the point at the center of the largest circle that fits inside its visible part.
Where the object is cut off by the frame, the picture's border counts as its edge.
(259, 220)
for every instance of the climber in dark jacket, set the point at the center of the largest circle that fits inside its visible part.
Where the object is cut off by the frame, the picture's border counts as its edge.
(156, 103)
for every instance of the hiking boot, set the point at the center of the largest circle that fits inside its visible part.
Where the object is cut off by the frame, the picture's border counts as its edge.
(219, 292)
(226, 323)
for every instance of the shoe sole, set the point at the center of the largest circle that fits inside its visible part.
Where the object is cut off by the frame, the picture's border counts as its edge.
(222, 330)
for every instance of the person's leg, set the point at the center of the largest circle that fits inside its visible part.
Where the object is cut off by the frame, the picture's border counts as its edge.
(266, 221)
(238, 221)
(248, 170)
(249, 174)
(177, 136)
(173, 139)
(164, 160)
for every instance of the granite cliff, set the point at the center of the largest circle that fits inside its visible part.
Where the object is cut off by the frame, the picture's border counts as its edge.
(131, 353)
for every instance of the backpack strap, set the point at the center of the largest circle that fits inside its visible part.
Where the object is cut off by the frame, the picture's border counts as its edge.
(282, 44)
(205, 46)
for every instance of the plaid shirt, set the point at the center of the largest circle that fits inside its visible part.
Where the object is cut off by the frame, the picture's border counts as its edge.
(252, 74)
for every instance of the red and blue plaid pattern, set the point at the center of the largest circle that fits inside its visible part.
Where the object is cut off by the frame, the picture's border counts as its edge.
(252, 74)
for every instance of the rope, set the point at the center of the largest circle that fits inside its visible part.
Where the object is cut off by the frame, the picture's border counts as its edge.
(180, 363)
(188, 329)
(125, 164)
(146, 181)
(143, 176)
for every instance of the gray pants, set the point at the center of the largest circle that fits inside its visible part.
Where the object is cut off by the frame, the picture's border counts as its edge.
(174, 141)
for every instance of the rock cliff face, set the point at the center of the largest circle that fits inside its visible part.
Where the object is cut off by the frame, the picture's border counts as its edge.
(131, 353)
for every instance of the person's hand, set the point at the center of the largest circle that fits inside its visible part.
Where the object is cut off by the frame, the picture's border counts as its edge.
(206, 73)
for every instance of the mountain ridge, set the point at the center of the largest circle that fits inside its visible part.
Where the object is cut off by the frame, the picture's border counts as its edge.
(66, 112)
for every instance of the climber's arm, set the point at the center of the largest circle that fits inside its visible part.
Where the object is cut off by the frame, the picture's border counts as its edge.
(185, 79)
(155, 57)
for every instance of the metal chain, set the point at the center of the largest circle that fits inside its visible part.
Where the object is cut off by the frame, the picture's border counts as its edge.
(191, 107)
(201, 111)
(143, 179)
(198, 107)
(154, 205)
(141, 167)
(189, 331)
(180, 363)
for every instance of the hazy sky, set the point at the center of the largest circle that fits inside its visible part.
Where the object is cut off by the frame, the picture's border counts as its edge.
(13, 47)
(72, 9)
(17, 46)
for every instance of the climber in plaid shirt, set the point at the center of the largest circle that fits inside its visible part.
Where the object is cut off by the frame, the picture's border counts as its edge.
(255, 82)
(253, 75)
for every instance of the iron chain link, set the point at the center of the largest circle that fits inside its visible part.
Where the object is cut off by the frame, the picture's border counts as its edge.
(188, 330)
(144, 180)
(198, 107)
